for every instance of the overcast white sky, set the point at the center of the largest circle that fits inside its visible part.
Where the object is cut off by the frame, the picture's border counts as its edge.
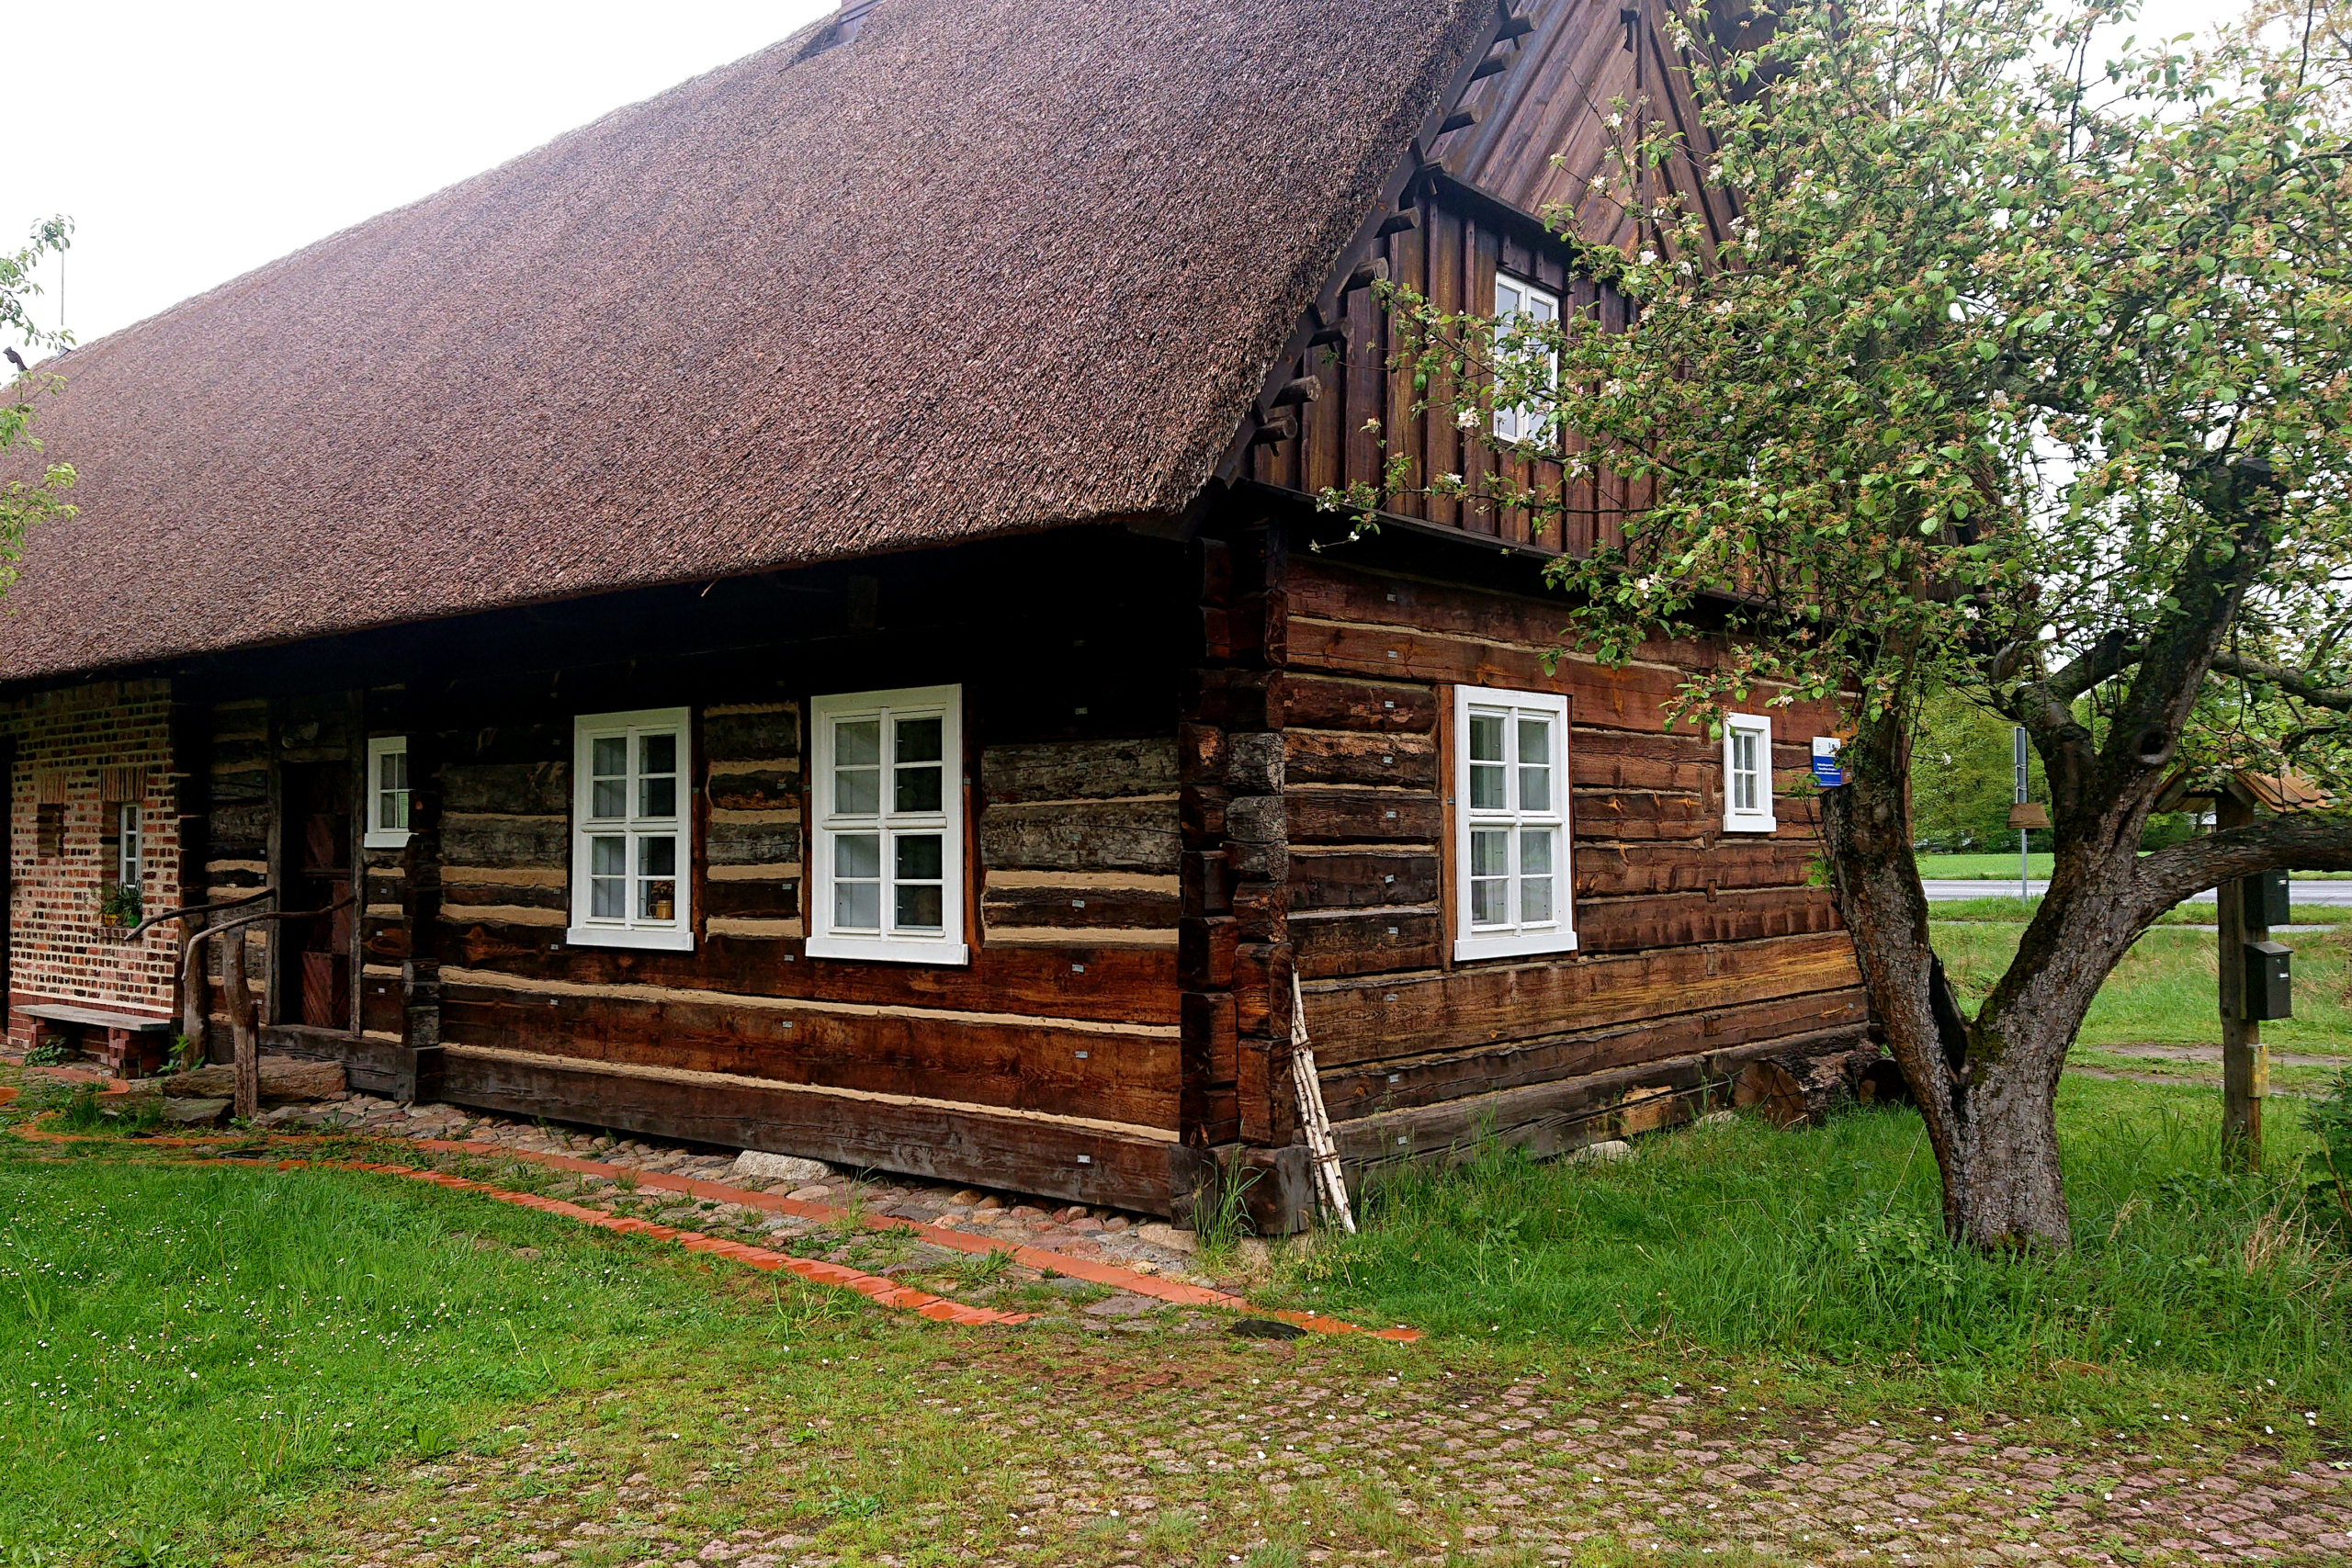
(192, 142)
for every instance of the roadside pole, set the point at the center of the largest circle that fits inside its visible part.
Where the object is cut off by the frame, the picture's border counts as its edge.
(2025, 860)
(2245, 1061)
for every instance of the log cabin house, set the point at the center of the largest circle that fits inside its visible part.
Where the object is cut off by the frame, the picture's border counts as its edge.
(798, 615)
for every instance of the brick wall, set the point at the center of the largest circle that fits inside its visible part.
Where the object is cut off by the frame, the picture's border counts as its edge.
(80, 752)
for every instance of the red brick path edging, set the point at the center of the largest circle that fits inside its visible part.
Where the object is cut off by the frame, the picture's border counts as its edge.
(1109, 1274)
(1085, 1268)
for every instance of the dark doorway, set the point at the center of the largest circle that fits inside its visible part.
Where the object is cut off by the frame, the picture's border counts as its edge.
(314, 966)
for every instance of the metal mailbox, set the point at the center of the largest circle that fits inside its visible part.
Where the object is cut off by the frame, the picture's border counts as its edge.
(2267, 990)
(2264, 896)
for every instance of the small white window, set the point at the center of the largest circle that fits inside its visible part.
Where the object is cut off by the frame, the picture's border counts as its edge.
(386, 793)
(1510, 840)
(887, 880)
(1518, 301)
(1747, 774)
(127, 845)
(630, 842)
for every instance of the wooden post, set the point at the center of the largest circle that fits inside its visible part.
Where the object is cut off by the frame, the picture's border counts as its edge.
(418, 1073)
(2245, 1061)
(243, 1023)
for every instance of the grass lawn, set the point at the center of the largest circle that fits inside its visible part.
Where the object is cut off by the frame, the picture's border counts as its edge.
(1997, 867)
(2164, 993)
(1822, 1249)
(243, 1365)
(2011, 908)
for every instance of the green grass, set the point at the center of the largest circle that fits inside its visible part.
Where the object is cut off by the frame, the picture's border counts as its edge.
(1998, 866)
(1824, 1247)
(2165, 991)
(187, 1347)
(2016, 910)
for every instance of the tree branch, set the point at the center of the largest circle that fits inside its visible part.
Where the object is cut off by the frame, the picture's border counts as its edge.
(2299, 842)
(2294, 682)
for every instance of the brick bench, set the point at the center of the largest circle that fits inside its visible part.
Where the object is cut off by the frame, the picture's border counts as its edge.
(130, 1044)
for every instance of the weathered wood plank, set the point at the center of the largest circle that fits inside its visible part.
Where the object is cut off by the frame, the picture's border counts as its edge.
(1081, 835)
(1079, 770)
(1346, 757)
(1624, 925)
(1038, 1067)
(756, 732)
(507, 789)
(1366, 1088)
(1062, 1158)
(1340, 879)
(1356, 1020)
(1603, 870)
(1363, 816)
(1323, 702)
(480, 838)
(1080, 908)
(1371, 941)
(1102, 984)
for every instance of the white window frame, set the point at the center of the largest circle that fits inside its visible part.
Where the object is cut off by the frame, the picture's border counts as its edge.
(1757, 818)
(628, 928)
(377, 837)
(1517, 938)
(1522, 422)
(131, 844)
(828, 825)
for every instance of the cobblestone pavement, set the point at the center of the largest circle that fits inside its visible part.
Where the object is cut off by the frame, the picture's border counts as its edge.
(1281, 1455)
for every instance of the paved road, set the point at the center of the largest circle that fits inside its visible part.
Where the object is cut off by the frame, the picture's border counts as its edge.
(1944, 890)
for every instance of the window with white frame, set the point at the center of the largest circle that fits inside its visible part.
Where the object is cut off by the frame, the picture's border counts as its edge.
(128, 845)
(629, 830)
(887, 877)
(1511, 837)
(1747, 774)
(1520, 303)
(386, 793)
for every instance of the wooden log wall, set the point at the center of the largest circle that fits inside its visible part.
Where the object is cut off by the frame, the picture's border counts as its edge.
(1697, 948)
(1050, 1063)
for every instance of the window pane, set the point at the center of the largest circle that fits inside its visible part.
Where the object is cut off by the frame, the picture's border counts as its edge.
(1536, 764)
(608, 756)
(607, 900)
(392, 770)
(858, 744)
(917, 789)
(1491, 852)
(857, 791)
(921, 907)
(1486, 738)
(657, 899)
(1491, 902)
(657, 753)
(857, 855)
(607, 865)
(608, 857)
(609, 797)
(918, 739)
(1506, 297)
(1535, 875)
(658, 798)
(657, 856)
(857, 905)
(391, 810)
(920, 857)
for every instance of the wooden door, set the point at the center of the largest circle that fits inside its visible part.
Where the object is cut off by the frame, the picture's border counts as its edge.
(314, 977)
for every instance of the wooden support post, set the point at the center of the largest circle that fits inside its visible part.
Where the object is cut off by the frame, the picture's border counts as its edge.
(417, 1073)
(2245, 1061)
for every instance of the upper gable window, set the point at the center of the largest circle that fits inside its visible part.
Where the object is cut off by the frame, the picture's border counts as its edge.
(1747, 774)
(887, 877)
(1510, 840)
(1519, 301)
(629, 827)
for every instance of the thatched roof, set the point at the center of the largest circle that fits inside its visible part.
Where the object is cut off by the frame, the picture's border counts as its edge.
(991, 265)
